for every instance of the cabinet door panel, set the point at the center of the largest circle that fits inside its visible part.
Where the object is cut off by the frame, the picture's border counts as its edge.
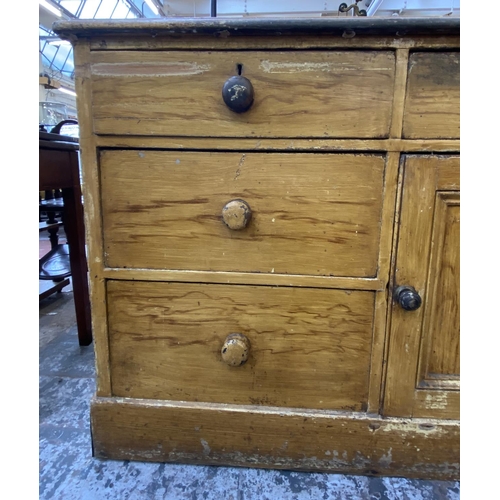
(423, 374)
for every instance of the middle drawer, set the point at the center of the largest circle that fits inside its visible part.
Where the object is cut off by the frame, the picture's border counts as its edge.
(296, 213)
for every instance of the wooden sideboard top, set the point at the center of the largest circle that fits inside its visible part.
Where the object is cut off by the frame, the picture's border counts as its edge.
(223, 28)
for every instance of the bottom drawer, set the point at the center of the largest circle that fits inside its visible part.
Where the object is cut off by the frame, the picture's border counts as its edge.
(306, 348)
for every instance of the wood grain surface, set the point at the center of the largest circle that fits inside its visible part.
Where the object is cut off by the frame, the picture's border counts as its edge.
(282, 145)
(309, 348)
(424, 344)
(441, 346)
(348, 161)
(432, 107)
(249, 436)
(92, 212)
(297, 94)
(299, 42)
(312, 214)
(231, 277)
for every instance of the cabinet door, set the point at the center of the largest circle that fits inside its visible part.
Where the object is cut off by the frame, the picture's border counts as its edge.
(423, 356)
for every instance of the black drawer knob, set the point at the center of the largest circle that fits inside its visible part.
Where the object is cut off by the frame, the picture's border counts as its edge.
(407, 297)
(238, 93)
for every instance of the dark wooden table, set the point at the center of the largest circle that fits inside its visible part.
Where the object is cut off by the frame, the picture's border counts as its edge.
(59, 169)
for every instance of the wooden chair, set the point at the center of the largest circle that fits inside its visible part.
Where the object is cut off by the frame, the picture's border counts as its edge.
(54, 266)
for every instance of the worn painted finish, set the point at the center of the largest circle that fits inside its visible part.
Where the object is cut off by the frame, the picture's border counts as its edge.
(309, 348)
(93, 228)
(335, 93)
(68, 471)
(237, 278)
(308, 125)
(236, 214)
(311, 214)
(283, 145)
(247, 26)
(424, 344)
(273, 438)
(299, 42)
(235, 349)
(432, 107)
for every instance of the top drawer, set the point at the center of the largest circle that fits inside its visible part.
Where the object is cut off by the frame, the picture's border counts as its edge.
(335, 94)
(432, 107)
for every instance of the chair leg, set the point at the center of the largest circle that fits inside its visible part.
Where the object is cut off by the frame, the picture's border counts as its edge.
(53, 232)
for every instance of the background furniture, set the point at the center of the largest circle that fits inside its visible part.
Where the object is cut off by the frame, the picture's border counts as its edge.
(50, 281)
(275, 241)
(59, 169)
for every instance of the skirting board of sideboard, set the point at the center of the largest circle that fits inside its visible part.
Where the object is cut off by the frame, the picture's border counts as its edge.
(294, 439)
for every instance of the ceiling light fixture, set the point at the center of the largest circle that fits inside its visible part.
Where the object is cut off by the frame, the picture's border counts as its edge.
(50, 7)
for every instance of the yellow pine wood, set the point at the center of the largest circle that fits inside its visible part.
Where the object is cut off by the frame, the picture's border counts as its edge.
(231, 277)
(278, 438)
(309, 348)
(316, 112)
(432, 107)
(92, 211)
(440, 351)
(288, 145)
(426, 333)
(297, 94)
(297, 42)
(311, 214)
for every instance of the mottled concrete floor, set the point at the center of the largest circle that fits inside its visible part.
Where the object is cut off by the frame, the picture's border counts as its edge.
(68, 471)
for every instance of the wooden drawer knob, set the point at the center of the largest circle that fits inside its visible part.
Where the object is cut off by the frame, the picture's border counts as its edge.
(235, 349)
(236, 214)
(237, 93)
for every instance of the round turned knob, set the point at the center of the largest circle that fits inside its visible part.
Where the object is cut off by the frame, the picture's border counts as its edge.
(235, 349)
(236, 214)
(408, 298)
(237, 93)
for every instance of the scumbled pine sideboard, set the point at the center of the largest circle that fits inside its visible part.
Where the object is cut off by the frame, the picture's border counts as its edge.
(272, 211)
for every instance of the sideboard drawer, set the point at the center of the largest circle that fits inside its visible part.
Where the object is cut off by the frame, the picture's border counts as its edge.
(336, 94)
(311, 214)
(307, 348)
(432, 107)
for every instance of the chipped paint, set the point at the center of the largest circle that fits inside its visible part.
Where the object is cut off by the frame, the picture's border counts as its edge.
(237, 89)
(424, 429)
(144, 477)
(307, 67)
(206, 448)
(240, 165)
(436, 401)
(386, 459)
(149, 69)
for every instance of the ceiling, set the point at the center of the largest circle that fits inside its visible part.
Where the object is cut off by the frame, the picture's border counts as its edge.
(105, 9)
